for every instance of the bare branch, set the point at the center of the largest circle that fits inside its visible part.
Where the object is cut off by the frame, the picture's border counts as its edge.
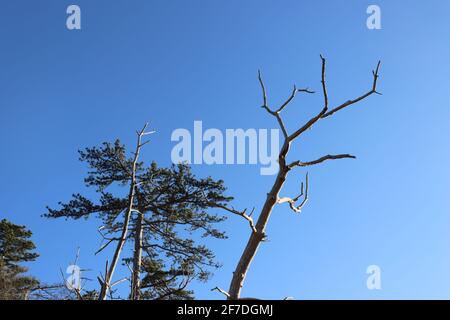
(77, 256)
(313, 120)
(129, 267)
(292, 96)
(109, 240)
(256, 238)
(76, 290)
(148, 132)
(140, 133)
(106, 245)
(298, 163)
(100, 231)
(292, 201)
(243, 214)
(324, 86)
(143, 133)
(263, 88)
(119, 281)
(283, 128)
(226, 294)
(106, 269)
(350, 102)
(144, 143)
(277, 112)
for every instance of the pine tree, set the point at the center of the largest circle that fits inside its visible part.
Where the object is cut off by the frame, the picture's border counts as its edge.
(15, 248)
(168, 210)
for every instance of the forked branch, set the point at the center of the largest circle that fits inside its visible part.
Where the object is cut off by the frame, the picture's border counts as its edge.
(313, 120)
(258, 234)
(243, 214)
(292, 201)
(277, 112)
(365, 95)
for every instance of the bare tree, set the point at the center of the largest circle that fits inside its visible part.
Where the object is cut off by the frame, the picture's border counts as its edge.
(273, 197)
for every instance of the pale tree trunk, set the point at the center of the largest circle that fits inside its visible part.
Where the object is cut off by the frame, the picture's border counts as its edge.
(257, 237)
(258, 231)
(109, 272)
(137, 257)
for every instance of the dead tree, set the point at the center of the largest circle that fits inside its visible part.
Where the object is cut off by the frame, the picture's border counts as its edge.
(273, 197)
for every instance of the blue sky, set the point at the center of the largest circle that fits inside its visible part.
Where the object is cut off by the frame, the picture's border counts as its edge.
(173, 62)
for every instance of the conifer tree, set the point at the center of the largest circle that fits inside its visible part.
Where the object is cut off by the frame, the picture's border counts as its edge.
(165, 210)
(15, 249)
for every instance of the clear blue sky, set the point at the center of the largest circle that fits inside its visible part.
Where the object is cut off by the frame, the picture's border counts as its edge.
(173, 62)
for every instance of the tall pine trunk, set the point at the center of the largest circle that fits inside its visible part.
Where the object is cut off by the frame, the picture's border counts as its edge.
(106, 285)
(137, 258)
